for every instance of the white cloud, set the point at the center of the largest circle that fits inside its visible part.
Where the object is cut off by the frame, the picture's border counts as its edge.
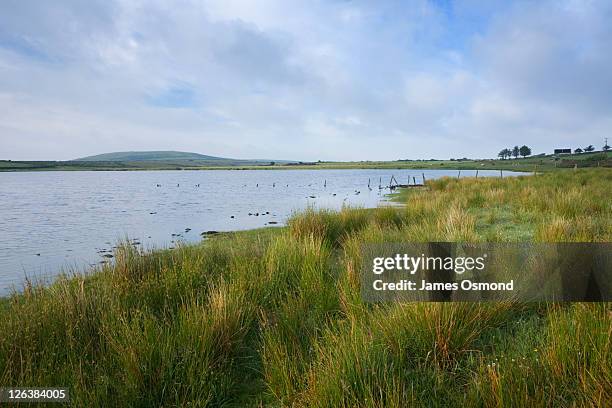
(302, 80)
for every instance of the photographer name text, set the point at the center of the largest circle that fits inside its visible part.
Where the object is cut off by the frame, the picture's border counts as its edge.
(412, 264)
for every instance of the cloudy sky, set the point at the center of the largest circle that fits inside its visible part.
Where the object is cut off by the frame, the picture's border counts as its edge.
(307, 80)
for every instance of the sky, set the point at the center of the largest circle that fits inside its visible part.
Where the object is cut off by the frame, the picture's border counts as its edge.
(303, 80)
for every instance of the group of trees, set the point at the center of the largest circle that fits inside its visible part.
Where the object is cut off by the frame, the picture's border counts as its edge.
(587, 149)
(515, 152)
(525, 151)
(590, 148)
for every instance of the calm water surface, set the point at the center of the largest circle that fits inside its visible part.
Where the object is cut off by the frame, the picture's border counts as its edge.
(63, 221)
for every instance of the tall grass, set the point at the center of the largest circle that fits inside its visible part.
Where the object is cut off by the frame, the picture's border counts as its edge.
(275, 317)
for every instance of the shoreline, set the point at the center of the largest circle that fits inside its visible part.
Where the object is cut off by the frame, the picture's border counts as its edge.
(395, 199)
(391, 199)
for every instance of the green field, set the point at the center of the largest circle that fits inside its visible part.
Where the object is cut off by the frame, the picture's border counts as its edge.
(167, 162)
(530, 164)
(274, 317)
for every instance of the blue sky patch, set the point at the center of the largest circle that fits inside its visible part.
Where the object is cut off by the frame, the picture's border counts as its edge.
(175, 97)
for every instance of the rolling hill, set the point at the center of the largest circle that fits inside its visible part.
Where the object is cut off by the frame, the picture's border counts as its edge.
(167, 159)
(150, 156)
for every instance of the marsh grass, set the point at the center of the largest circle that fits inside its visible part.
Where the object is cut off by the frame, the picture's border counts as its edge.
(275, 317)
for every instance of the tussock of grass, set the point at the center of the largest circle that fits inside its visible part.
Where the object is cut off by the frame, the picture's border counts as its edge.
(329, 226)
(275, 317)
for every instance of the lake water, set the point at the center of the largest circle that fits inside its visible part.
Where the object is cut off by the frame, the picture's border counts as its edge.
(54, 221)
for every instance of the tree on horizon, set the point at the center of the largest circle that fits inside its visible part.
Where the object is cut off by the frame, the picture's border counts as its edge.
(589, 148)
(504, 154)
(515, 152)
(525, 151)
(578, 150)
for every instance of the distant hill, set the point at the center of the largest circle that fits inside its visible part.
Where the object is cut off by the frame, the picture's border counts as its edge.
(150, 156)
(167, 159)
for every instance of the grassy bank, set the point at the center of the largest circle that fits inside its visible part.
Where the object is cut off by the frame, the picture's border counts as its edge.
(540, 163)
(274, 317)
